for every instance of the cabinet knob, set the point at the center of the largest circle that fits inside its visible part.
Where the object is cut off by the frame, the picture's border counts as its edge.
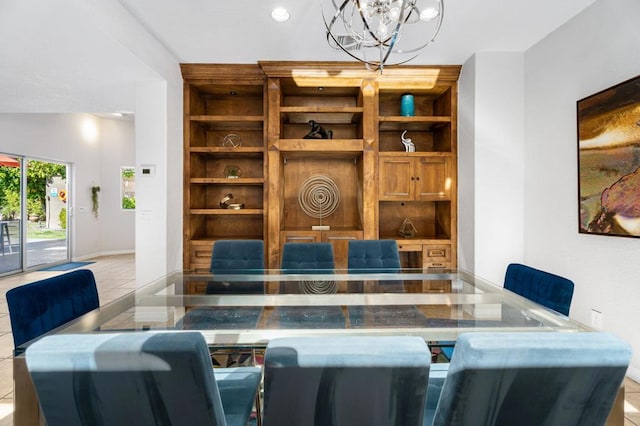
(418, 178)
(412, 178)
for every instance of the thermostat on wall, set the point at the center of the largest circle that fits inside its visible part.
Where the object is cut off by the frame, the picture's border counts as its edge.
(147, 170)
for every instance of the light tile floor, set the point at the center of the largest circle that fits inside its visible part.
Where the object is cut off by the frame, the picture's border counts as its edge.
(115, 276)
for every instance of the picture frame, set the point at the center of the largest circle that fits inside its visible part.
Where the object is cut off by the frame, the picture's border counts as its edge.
(609, 160)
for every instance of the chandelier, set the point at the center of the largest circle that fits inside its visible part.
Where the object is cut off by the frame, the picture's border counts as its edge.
(379, 32)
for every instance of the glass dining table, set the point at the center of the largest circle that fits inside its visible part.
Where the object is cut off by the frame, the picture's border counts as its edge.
(244, 311)
(250, 309)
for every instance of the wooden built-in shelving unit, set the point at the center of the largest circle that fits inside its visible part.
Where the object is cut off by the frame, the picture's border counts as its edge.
(269, 106)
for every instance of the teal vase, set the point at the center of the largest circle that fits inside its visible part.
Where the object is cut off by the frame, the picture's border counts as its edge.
(407, 108)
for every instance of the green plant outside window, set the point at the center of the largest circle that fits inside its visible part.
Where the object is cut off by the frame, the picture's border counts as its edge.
(128, 188)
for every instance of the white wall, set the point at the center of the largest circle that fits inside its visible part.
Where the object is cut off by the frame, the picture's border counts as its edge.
(61, 137)
(491, 164)
(593, 51)
(118, 149)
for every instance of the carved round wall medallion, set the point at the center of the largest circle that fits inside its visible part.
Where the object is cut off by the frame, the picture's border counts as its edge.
(319, 196)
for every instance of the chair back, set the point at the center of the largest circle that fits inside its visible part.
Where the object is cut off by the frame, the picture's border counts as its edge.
(307, 257)
(550, 290)
(532, 379)
(41, 306)
(373, 255)
(237, 257)
(143, 379)
(344, 381)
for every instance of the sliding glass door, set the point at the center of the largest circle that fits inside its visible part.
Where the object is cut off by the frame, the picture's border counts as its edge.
(10, 214)
(33, 204)
(46, 224)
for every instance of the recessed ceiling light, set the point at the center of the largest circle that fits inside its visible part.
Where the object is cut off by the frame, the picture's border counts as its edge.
(280, 14)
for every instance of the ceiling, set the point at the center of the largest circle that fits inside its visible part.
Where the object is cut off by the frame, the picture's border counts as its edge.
(72, 56)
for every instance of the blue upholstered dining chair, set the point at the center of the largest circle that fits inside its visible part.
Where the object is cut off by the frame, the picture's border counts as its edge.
(230, 257)
(345, 381)
(550, 290)
(41, 306)
(237, 257)
(378, 256)
(306, 258)
(373, 255)
(528, 379)
(137, 378)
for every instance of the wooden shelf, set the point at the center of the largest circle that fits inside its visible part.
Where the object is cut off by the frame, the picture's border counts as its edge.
(321, 114)
(415, 154)
(227, 118)
(229, 212)
(229, 122)
(209, 241)
(423, 123)
(321, 145)
(228, 152)
(227, 181)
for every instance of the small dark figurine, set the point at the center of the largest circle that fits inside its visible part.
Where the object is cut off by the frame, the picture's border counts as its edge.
(318, 132)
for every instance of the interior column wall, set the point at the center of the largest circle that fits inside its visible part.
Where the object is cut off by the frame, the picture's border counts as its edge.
(491, 167)
(151, 197)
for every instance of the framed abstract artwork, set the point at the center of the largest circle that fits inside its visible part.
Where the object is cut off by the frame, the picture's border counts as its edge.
(609, 160)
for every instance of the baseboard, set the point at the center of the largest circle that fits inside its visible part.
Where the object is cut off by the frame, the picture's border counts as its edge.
(100, 254)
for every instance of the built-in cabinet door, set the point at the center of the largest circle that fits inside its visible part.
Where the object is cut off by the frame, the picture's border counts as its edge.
(433, 178)
(396, 178)
(340, 242)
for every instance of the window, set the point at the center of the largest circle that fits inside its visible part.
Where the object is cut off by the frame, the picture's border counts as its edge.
(128, 188)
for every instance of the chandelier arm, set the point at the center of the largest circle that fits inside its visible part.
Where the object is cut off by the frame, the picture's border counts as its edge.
(335, 15)
(422, 46)
(364, 61)
(329, 26)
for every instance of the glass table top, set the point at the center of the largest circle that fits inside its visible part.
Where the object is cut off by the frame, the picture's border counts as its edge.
(251, 308)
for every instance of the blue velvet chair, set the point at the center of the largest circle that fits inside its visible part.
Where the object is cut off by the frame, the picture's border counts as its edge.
(373, 256)
(41, 306)
(307, 257)
(237, 257)
(230, 257)
(378, 256)
(549, 290)
(345, 381)
(528, 379)
(542, 287)
(138, 378)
